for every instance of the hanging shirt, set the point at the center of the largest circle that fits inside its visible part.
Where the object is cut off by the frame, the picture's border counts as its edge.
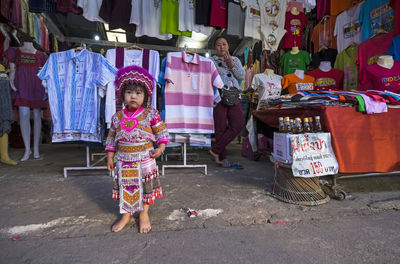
(203, 12)
(91, 10)
(294, 84)
(347, 28)
(381, 78)
(42, 6)
(395, 4)
(324, 55)
(236, 19)
(330, 80)
(68, 6)
(272, 13)
(375, 15)
(170, 18)
(147, 17)
(294, 26)
(308, 4)
(252, 21)
(337, 6)
(269, 87)
(273, 37)
(323, 8)
(218, 13)
(346, 62)
(292, 62)
(117, 14)
(323, 34)
(394, 49)
(187, 18)
(71, 79)
(131, 57)
(189, 93)
(369, 52)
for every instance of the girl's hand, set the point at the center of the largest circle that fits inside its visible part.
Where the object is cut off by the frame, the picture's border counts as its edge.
(155, 153)
(110, 164)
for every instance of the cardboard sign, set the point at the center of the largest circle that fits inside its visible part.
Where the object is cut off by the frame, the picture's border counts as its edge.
(313, 155)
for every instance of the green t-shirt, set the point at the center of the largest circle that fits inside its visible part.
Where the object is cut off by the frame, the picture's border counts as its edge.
(292, 62)
(170, 18)
(346, 62)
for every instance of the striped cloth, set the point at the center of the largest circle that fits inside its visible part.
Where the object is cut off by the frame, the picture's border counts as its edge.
(189, 93)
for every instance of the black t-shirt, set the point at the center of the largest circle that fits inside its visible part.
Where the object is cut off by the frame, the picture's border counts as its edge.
(324, 55)
(203, 12)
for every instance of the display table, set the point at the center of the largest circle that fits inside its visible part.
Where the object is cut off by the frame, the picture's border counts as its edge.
(362, 143)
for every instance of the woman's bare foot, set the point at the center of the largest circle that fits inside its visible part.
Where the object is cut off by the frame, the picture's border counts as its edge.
(121, 223)
(144, 220)
(216, 157)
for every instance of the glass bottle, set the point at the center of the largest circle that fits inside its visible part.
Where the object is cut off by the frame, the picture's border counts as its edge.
(317, 124)
(281, 125)
(306, 125)
(288, 128)
(298, 125)
(310, 121)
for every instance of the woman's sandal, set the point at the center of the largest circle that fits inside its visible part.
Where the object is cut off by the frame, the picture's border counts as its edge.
(237, 165)
(226, 164)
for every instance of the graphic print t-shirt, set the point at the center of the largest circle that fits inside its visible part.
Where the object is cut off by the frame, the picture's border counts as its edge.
(346, 62)
(380, 78)
(294, 26)
(294, 84)
(272, 13)
(292, 62)
(375, 15)
(347, 28)
(331, 80)
(252, 21)
(269, 87)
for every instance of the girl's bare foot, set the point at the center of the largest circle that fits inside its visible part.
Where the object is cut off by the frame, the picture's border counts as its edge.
(121, 223)
(144, 222)
(216, 157)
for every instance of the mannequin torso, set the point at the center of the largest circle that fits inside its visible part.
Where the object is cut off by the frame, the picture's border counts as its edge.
(299, 73)
(294, 50)
(269, 72)
(386, 61)
(294, 11)
(27, 47)
(325, 66)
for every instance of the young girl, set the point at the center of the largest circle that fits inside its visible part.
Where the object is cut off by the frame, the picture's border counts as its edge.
(131, 136)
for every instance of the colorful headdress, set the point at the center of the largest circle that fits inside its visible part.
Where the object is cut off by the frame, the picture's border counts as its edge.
(134, 75)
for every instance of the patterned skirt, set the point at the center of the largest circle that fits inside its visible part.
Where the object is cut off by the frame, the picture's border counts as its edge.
(136, 183)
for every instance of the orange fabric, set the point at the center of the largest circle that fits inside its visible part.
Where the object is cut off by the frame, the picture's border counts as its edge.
(337, 6)
(323, 34)
(289, 82)
(362, 143)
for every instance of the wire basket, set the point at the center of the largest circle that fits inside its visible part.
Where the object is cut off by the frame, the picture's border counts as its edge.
(297, 190)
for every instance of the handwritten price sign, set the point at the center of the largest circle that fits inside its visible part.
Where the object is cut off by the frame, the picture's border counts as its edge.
(313, 155)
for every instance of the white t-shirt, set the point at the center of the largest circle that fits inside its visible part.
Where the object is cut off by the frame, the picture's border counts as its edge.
(273, 37)
(269, 87)
(187, 18)
(146, 15)
(91, 9)
(272, 12)
(308, 4)
(347, 27)
(131, 57)
(252, 20)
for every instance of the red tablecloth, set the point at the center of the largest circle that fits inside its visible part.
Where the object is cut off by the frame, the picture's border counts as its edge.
(362, 143)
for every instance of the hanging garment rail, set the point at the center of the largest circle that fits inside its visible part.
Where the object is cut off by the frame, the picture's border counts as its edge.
(88, 165)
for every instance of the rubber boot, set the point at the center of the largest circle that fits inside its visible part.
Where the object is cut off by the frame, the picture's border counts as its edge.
(4, 151)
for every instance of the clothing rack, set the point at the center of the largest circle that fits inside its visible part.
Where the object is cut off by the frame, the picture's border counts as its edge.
(88, 165)
(184, 163)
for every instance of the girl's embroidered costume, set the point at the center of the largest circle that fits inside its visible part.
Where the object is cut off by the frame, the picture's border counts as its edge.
(131, 137)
